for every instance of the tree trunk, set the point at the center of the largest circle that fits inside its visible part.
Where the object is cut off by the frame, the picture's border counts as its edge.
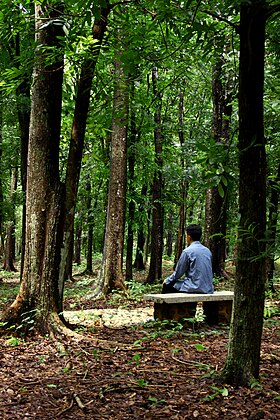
(90, 230)
(111, 275)
(11, 227)
(272, 229)
(139, 256)
(38, 295)
(216, 198)
(23, 110)
(131, 205)
(77, 140)
(180, 242)
(1, 175)
(155, 270)
(169, 239)
(242, 364)
(78, 238)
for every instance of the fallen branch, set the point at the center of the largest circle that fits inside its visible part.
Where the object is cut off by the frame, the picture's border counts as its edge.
(79, 402)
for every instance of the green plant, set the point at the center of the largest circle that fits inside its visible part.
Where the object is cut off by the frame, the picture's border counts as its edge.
(155, 401)
(142, 383)
(218, 391)
(136, 358)
(165, 328)
(12, 341)
(200, 347)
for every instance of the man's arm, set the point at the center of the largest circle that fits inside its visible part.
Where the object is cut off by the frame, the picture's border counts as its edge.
(180, 269)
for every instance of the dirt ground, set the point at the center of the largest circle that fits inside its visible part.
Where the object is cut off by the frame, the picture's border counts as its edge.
(133, 371)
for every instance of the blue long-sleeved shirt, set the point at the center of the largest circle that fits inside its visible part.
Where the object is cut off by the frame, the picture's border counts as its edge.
(195, 264)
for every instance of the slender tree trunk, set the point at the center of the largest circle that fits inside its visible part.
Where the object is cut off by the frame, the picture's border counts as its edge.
(216, 197)
(1, 177)
(77, 140)
(111, 275)
(23, 110)
(11, 226)
(78, 238)
(90, 229)
(131, 205)
(139, 256)
(242, 364)
(169, 240)
(180, 241)
(272, 228)
(38, 295)
(155, 270)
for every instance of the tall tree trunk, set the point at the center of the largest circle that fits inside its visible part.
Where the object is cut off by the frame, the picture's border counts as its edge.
(38, 294)
(169, 239)
(78, 238)
(155, 270)
(139, 256)
(90, 229)
(111, 275)
(180, 241)
(77, 141)
(11, 226)
(272, 228)
(216, 197)
(23, 111)
(1, 176)
(131, 205)
(242, 364)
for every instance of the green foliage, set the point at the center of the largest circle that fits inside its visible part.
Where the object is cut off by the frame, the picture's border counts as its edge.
(218, 391)
(12, 341)
(165, 328)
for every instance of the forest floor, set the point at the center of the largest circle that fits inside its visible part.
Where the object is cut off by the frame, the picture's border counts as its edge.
(127, 366)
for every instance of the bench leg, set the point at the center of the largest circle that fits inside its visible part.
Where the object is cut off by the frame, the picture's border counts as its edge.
(217, 312)
(174, 311)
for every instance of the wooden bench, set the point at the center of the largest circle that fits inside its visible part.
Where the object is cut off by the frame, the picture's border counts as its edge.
(217, 307)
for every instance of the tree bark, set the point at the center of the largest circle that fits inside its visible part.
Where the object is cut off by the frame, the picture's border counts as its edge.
(242, 364)
(155, 270)
(131, 205)
(272, 229)
(139, 256)
(11, 226)
(216, 199)
(38, 295)
(180, 242)
(111, 275)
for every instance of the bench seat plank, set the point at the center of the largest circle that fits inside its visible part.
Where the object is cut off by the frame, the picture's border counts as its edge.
(217, 306)
(189, 297)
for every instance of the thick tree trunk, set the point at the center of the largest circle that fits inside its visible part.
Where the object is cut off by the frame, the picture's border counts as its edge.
(38, 295)
(155, 270)
(242, 364)
(77, 140)
(111, 274)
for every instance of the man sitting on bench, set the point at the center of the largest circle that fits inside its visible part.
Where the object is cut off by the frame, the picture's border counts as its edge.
(195, 264)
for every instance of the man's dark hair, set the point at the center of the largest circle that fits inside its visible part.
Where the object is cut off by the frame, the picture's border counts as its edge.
(195, 232)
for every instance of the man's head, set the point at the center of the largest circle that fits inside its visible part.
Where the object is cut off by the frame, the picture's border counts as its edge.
(194, 233)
